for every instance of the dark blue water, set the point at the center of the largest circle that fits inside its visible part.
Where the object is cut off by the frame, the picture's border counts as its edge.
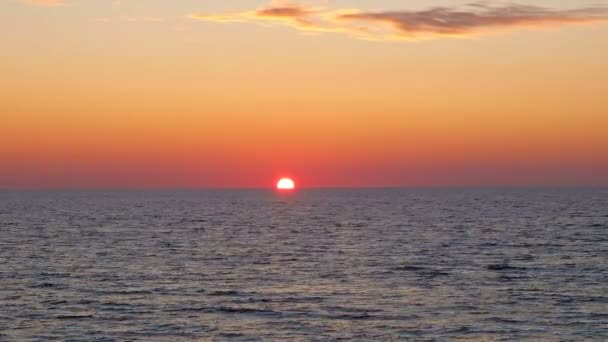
(370, 265)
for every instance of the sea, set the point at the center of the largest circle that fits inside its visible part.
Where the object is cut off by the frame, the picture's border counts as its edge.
(520, 264)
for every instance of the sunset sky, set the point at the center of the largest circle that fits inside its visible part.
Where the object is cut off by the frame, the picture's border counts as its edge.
(351, 93)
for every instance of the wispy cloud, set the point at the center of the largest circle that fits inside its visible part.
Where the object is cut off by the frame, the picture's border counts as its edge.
(45, 2)
(473, 19)
(291, 15)
(476, 18)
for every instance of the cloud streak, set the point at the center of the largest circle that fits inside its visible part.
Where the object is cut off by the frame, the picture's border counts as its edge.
(473, 19)
(301, 17)
(45, 2)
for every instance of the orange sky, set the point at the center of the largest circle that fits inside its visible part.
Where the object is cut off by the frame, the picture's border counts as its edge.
(153, 94)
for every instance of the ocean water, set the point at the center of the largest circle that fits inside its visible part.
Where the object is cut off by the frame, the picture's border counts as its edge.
(316, 265)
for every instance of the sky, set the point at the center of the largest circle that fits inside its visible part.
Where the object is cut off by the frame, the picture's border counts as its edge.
(349, 93)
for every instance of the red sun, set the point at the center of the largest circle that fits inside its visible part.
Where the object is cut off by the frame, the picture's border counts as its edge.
(286, 184)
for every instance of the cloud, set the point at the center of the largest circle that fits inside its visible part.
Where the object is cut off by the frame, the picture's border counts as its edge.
(45, 2)
(291, 15)
(473, 19)
(285, 12)
(477, 18)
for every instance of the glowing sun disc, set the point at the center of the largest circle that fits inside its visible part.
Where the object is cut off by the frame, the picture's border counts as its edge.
(286, 184)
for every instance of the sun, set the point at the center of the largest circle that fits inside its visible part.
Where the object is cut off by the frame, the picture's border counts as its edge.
(286, 184)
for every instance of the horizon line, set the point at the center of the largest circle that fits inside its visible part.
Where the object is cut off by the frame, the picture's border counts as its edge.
(388, 187)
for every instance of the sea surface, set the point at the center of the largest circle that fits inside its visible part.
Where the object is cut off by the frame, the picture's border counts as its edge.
(315, 265)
